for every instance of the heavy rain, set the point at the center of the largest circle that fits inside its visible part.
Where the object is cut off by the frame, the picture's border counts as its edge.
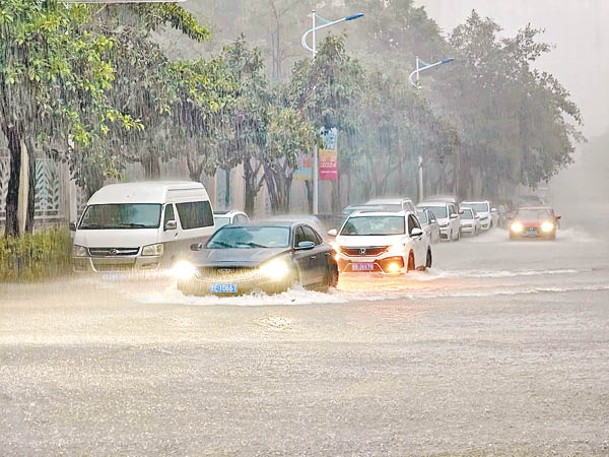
(284, 227)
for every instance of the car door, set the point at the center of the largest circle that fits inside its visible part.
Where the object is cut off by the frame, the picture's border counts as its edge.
(418, 242)
(434, 227)
(455, 219)
(319, 254)
(306, 259)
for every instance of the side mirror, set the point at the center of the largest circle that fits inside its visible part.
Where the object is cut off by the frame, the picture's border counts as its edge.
(171, 225)
(416, 231)
(72, 226)
(333, 232)
(461, 211)
(557, 217)
(493, 210)
(454, 216)
(196, 246)
(304, 245)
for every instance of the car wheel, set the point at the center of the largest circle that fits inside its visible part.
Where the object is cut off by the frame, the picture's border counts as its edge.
(428, 259)
(411, 264)
(331, 277)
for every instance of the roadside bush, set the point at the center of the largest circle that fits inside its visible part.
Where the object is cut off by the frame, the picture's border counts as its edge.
(40, 255)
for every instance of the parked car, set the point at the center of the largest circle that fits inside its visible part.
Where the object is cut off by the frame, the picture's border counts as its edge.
(429, 224)
(534, 222)
(489, 217)
(444, 198)
(231, 217)
(141, 226)
(267, 256)
(470, 221)
(388, 243)
(393, 204)
(448, 218)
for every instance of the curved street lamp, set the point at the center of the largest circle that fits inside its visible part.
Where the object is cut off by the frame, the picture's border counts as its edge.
(426, 66)
(313, 50)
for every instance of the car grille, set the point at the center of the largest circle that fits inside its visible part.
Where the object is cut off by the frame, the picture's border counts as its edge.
(113, 252)
(364, 251)
(226, 273)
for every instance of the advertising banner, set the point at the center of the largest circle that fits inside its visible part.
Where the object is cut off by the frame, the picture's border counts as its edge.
(328, 156)
(305, 165)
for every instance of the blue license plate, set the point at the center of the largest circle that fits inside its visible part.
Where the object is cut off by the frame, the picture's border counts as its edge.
(531, 232)
(362, 266)
(222, 288)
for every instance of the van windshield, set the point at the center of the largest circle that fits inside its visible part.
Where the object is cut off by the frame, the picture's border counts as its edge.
(121, 216)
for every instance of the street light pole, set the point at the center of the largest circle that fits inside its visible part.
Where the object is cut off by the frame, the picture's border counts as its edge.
(411, 76)
(313, 50)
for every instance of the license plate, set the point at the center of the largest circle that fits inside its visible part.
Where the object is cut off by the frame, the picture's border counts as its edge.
(531, 232)
(223, 288)
(113, 276)
(362, 266)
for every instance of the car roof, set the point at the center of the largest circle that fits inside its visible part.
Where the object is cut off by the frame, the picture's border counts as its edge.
(381, 213)
(374, 201)
(433, 203)
(469, 202)
(549, 208)
(227, 212)
(264, 223)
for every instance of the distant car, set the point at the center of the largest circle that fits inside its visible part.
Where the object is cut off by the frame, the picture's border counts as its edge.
(393, 204)
(448, 218)
(266, 256)
(309, 219)
(389, 243)
(444, 198)
(470, 221)
(488, 215)
(429, 224)
(232, 217)
(534, 222)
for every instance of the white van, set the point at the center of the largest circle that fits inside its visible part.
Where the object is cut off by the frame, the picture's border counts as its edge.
(141, 226)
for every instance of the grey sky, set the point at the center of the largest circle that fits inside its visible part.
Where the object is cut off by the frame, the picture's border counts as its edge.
(578, 29)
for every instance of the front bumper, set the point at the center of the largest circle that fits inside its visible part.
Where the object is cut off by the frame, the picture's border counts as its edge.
(468, 229)
(113, 264)
(485, 224)
(532, 233)
(389, 264)
(444, 232)
(231, 285)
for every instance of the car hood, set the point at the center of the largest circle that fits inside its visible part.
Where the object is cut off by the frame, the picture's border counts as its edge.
(115, 238)
(362, 241)
(236, 257)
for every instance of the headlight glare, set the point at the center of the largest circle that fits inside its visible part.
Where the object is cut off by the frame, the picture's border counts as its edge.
(276, 269)
(517, 227)
(547, 227)
(153, 249)
(79, 251)
(183, 270)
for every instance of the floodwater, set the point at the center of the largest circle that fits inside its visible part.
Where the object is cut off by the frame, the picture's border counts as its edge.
(502, 348)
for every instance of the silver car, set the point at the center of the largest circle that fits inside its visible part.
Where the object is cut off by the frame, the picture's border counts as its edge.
(448, 218)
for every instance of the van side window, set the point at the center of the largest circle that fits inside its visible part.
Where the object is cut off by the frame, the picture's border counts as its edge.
(169, 214)
(195, 214)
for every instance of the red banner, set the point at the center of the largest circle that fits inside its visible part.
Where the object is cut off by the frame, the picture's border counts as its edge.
(328, 164)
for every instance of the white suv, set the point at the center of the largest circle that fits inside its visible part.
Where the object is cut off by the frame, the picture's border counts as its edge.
(382, 242)
(393, 204)
(448, 218)
(488, 215)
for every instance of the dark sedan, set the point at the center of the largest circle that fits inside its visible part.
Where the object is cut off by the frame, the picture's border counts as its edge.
(270, 257)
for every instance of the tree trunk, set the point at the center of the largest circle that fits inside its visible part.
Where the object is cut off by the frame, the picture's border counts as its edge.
(31, 206)
(14, 136)
(251, 186)
(152, 166)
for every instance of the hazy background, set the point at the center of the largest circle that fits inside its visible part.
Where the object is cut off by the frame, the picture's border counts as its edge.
(578, 30)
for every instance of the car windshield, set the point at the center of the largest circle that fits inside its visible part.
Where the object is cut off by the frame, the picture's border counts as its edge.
(422, 216)
(121, 216)
(374, 225)
(467, 214)
(239, 237)
(479, 207)
(438, 211)
(221, 221)
(533, 214)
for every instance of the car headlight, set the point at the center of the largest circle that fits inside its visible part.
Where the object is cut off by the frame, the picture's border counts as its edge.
(397, 248)
(79, 251)
(276, 269)
(183, 270)
(153, 249)
(547, 227)
(517, 227)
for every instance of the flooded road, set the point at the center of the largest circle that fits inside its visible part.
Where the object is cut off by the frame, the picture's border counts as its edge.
(501, 349)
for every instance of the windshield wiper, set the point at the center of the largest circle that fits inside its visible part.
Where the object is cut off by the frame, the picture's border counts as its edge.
(221, 243)
(253, 245)
(132, 224)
